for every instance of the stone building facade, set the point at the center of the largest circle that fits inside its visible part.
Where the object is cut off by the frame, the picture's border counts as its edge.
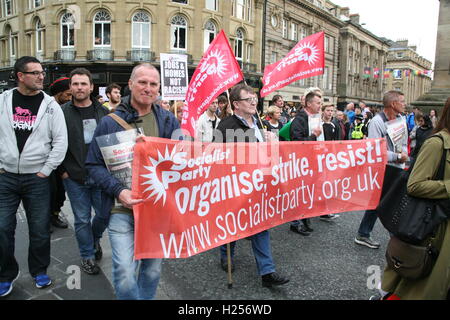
(407, 71)
(362, 59)
(109, 37)
(288, 22)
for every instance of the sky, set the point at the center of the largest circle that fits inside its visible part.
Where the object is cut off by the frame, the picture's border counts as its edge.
(415, 20)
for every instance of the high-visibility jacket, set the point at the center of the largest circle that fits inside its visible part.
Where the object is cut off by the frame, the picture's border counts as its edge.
(357, 132)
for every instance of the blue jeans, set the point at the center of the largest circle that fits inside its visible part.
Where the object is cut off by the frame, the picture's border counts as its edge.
(82, 199)
(367, 223)
(133, 280)
(34, 192)
(261, 251)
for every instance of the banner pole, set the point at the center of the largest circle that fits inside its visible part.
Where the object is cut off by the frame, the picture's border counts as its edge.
(230, 279)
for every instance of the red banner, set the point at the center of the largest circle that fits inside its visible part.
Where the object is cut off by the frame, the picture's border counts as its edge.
(217, 71)
(199, 196)
(306, 59)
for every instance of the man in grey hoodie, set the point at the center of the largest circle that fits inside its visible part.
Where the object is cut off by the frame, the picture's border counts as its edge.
(33, 142)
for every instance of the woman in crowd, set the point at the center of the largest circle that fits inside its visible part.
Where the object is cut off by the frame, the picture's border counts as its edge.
(433, 117)
(273, 124)
(177, 110)
(422, 132)
(420, 184)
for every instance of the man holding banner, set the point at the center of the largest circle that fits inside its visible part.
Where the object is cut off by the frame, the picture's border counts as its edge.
(243, 102)
(302, 130)
(136, 111)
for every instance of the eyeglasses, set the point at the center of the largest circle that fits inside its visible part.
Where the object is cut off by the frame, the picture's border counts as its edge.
(35, 73)
(249, 100)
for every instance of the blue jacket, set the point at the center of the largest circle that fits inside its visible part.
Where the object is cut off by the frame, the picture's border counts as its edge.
(167, 123)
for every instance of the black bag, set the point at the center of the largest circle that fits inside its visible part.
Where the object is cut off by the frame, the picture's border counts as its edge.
(410, 261)
(409, 218)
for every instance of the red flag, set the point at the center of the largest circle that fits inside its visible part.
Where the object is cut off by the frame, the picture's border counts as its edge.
(305, 60)
(217, 71)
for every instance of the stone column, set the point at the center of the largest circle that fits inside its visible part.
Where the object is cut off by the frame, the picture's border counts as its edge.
(440, 87)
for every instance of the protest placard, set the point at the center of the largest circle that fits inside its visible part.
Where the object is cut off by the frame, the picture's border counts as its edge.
(174, 76)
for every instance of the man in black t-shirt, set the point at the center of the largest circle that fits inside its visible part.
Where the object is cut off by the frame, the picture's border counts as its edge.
(82, 115)
(33, 142)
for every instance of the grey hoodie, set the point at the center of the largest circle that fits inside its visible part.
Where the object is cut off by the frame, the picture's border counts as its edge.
(46, 146)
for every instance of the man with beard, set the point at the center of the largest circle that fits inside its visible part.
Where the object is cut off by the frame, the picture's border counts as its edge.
(82, 115)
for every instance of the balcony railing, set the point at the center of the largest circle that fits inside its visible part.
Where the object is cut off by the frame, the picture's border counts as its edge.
(100, 55)
(65, 55)
(249, 67)
(140, 55)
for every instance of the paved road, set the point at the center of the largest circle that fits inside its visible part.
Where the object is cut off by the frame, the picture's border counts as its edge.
(326, 265)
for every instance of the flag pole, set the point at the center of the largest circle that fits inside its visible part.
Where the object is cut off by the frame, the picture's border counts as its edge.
(230, 278)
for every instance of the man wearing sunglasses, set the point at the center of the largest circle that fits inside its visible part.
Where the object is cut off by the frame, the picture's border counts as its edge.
(33, 142)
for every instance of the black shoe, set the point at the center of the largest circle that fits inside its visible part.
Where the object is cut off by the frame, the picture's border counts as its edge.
(224, 265)
(307, 225)
(98, 251)
(273, 279)
(89, 266)
(300, 230)
(58, 221)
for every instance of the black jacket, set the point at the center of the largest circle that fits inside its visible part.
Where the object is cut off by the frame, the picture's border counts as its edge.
(76, 154)
(300, 128)
(234, 124)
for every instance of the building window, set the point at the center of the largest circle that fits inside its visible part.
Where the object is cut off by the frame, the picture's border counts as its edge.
(303, 32)
(67, 31)
(209, 34)
(274, 21)
(274, 57)
(239, 45)
(212, 5)
(178, 32)
(7, 7)
(329, 44)
(102, 29)
(249, 53)
(294, 31)
(12, 47)
(36, 3)
(327, 80)
(39, 37)
(181, 1)
(242, 9)
(141, 30)
(285, 28)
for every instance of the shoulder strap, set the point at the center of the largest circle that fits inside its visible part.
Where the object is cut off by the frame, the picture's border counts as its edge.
(120, 121)
(441, 170)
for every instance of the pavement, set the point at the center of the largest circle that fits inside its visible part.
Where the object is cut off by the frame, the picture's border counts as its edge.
(327, 265)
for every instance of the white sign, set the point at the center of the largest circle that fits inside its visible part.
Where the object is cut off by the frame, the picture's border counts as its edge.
(174, 76)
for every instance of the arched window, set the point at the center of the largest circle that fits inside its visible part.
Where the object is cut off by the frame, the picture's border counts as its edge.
(209, 34)
(67, 30)
(141, 30)
(239, 45)
(39, 36)
(178, 33)
(102, 29)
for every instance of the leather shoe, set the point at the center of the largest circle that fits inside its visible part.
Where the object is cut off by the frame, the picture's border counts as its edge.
(300, 230)
(224, 265)
(58, 222)
(273, 279)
